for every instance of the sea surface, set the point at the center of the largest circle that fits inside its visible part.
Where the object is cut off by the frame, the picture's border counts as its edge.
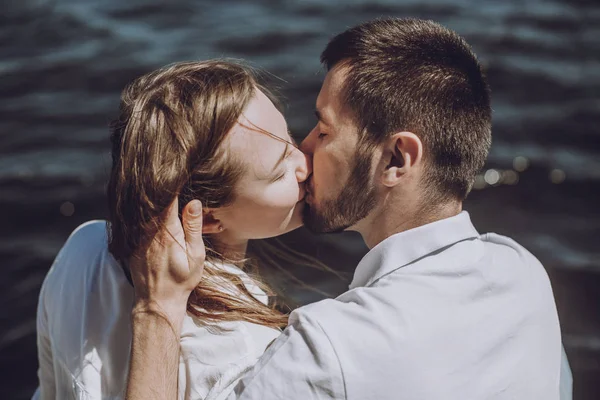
(63, 64)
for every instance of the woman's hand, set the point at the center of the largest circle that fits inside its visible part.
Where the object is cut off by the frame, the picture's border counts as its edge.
(166, 270)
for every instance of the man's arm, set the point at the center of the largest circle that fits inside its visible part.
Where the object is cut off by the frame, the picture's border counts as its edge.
(300, 364)
(164, 272)
(154, 365)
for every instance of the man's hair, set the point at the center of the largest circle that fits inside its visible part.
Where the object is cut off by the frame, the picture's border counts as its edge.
(418, 76)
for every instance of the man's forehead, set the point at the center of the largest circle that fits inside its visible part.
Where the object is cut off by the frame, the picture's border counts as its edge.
(330, 99)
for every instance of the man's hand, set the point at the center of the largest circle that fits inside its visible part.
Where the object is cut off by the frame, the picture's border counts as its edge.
(164, 273)
(168, 268)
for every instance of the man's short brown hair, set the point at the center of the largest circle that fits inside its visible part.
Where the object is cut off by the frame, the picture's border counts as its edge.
(418, 76)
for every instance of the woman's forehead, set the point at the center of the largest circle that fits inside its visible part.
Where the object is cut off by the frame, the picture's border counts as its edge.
(259, 151)
(260, 137)
(262, 113)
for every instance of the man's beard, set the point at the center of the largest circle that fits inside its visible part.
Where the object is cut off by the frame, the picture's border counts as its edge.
(356, 200)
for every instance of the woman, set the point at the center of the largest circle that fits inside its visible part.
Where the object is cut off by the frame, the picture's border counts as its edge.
(193, 131)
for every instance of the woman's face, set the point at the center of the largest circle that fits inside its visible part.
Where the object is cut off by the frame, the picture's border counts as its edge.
(269, 196)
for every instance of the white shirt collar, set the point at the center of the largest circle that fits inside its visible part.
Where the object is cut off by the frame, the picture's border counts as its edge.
(405, 247)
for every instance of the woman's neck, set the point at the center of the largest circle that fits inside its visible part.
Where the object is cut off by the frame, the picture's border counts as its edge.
(232, 249)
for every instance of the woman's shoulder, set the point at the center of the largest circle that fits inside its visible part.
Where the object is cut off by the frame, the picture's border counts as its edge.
(85, 242)
(86, 301)
(84, 251)
(89, 235)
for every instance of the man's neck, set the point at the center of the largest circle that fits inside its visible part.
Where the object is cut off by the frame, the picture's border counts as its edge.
(390, 220)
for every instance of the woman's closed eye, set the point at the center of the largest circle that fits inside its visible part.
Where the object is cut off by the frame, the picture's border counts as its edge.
(279, 177)
(322, 135)
(283, 171)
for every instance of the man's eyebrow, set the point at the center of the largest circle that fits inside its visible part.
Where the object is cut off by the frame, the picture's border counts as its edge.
(320, 117)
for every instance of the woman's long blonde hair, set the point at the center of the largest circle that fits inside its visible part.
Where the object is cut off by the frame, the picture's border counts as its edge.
(167, 142)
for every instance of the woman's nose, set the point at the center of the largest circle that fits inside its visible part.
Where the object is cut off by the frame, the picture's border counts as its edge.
(304, 168)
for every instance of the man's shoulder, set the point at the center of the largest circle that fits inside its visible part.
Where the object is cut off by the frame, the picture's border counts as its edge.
(353, 317)
(313, 314)
(325, 310)
(497, 242)
(359, 333)
(320, 321)
(516, 264)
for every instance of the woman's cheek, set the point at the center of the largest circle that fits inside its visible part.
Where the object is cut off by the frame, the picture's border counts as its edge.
(286, 199)
(282, 194)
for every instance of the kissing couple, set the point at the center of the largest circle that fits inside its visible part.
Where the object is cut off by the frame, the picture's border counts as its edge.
(164, 301)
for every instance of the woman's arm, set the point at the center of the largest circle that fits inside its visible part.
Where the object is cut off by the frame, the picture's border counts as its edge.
(164, 273)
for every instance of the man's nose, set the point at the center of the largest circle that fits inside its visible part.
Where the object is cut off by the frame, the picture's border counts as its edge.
(308, 144)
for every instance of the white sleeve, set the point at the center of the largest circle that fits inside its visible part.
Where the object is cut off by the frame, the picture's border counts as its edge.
(47, 389)
(566, 378)
(300, 364)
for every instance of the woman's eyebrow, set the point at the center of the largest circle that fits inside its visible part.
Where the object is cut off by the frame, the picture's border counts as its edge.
(255, 128)
(285, 154)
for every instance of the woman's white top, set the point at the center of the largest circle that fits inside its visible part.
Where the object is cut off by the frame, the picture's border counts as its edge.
(84, 330)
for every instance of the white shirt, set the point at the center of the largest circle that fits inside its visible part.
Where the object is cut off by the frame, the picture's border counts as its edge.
(84, 330)
(438, 312)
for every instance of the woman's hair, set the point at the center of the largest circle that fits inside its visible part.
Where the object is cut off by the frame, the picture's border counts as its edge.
(168, 142)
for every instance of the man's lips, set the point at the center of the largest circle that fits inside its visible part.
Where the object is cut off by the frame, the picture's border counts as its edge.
(302, 194)
(308, 185)
(308, 189)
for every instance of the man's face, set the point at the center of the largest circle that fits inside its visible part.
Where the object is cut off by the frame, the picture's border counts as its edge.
(340, 190)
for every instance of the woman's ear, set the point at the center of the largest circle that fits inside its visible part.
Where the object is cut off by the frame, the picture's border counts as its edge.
(403, 152)
(210, 224)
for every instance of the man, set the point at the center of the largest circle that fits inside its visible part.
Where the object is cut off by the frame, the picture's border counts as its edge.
(435, 310)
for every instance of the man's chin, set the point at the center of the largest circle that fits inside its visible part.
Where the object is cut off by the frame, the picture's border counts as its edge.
(316, 222)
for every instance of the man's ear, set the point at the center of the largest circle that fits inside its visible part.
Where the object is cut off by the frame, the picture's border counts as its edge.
(403, 151)
(210, 224)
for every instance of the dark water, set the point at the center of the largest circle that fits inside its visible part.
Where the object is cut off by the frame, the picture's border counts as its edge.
(63, 64)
